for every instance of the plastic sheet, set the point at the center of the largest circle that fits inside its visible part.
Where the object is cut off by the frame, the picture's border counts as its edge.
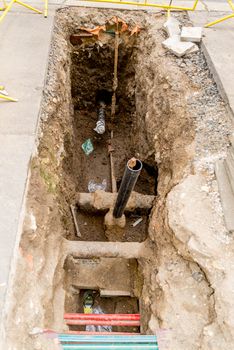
(93, 186)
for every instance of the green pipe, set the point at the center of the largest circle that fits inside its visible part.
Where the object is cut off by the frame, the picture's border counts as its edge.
(108, 338)
(111, 347)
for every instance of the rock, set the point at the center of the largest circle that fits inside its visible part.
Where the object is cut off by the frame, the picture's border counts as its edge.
(36, 331)
(200, 234)
(191, 217)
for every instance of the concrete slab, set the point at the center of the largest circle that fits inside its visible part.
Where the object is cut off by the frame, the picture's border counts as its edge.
(14, 158)
(229, 166)
(193, 34)
(106, 274)
(177, 47)
(194, 49)
(218, 49)
(220, 5)
(25, 39)
(172, 26)
(226, 194)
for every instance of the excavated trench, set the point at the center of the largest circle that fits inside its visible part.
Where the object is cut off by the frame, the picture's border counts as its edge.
(92, 80)
(142, 269)
(115, 283)
(80, 74)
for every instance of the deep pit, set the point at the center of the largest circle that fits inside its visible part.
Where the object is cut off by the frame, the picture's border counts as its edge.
(148, 268)
(92, 65)
(91, 81)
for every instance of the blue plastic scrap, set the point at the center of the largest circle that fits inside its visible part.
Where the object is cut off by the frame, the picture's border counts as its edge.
(87, 147)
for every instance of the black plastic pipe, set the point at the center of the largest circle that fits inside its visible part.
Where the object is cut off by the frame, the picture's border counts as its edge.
(131, 173)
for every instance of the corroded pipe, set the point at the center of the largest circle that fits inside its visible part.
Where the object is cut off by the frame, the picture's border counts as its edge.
(101, 200)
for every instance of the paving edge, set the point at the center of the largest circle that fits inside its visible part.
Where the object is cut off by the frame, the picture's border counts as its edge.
(15, 252)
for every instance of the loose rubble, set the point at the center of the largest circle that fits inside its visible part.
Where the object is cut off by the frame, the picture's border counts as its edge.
(181, 42)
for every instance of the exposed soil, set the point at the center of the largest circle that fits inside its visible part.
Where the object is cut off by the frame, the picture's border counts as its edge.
(92, 72)
(159, 117)
(92, 227)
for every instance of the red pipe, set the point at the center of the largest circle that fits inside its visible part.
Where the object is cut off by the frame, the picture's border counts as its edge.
(103, 322)
(100, 333)
(89, 333)
(104, 317)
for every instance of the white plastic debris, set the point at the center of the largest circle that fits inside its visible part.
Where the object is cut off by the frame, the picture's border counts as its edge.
(91, 328)
(137, 222)
(93, 186)
(100, 127)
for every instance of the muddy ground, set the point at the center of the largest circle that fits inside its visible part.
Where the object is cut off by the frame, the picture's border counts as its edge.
(170, 115)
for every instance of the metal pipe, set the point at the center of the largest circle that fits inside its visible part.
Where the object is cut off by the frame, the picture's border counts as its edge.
(100, 125)
(103, 201)
(105, 317)
(132, 171)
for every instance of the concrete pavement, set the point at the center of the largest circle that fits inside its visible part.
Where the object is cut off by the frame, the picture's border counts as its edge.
(218, 44)
(25, 40)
